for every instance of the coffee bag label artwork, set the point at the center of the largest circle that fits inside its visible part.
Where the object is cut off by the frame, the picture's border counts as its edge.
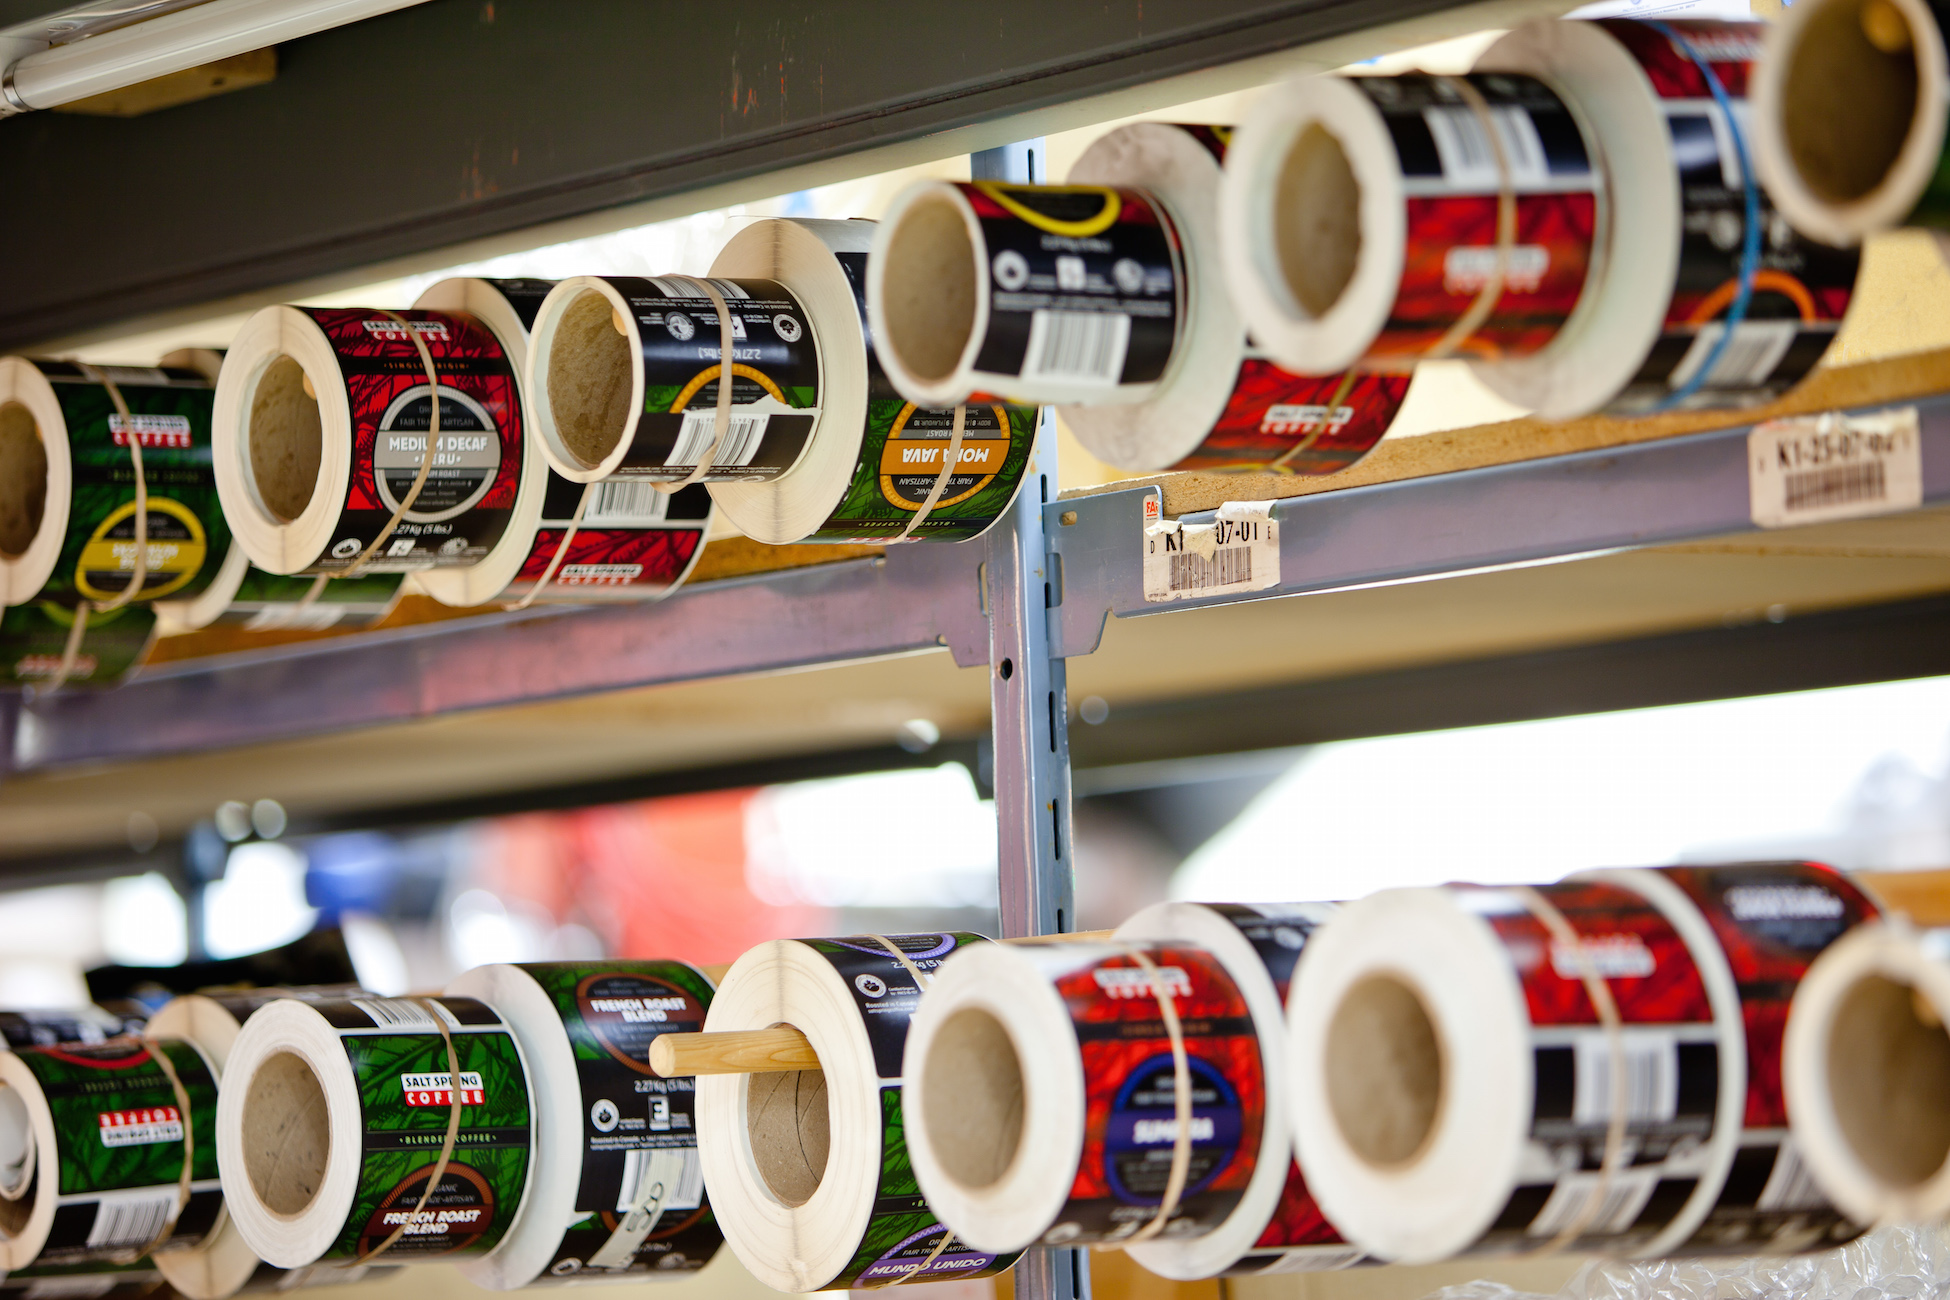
(1085, 285)
(901, 1240)
(1672, 1068)
(901, 453)
(632, 537)
(34, 637)
(1298, 1235)
(119, 1144)
(774, 380)
(1800, 289)
(170, 414)
(270, 601)
(1131, 1127)
(1300, 424)
(1453, 172)
(469, 493)
(399, 1059)
(640, 1207)
(1772, 921)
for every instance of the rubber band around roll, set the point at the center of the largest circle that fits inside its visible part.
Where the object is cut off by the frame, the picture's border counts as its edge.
(168, 1068)
(446, 1143)
(1181, 1078)
(1750, 237)
(921, 983)
(949, 460)
(1599, 991)
(721, 423)
(1506, 229)
(561, 550)
(139, 571)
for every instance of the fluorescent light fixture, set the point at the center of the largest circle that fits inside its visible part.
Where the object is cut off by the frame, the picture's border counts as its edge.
(94, 48)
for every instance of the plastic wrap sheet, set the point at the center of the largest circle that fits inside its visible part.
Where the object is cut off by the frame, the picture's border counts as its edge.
(1899, 1263)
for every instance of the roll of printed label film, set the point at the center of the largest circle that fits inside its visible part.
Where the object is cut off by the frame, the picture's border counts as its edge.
(810, 1170)
(1278, 1226)
(1362, 219)
(1850, 103)
(1653, 333)
(322, 430)
(1481, 998)
(67, 511)
(617, 1188)
(335, 1118)
(1042, 1094)
(1222, 403)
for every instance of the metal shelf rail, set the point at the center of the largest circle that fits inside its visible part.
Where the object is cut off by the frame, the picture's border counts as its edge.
(917, 598)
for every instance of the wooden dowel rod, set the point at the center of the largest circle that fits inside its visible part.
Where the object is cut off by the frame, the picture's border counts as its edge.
(1925, 895)
(742, 1051)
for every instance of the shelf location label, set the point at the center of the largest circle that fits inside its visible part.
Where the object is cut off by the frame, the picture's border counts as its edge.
(1810, 469)
(1239, 551)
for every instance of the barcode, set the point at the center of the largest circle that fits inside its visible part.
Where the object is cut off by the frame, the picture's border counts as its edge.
(1757, 347)
(626, 501)
(670, 288)
(1651, 1078)
(130, 1221)
(1790, 1185)
(1836, 485)
(398, 1013)
(1629, 1191)
(678, 1168)
(1229, 564)
(1468, 160)
(1085, 346)
(741, 438)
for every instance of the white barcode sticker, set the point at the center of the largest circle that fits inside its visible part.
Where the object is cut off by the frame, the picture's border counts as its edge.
(130, 1218)
(1813, 468)
(672, 1177)
(1626, 1195)
(1790, 1184)
(627, 501)
(741, 438)
(1238, 551)
(399, 1013)
(1469, 160)
(1756, 348)
(1078, 347)
(1651, 1078)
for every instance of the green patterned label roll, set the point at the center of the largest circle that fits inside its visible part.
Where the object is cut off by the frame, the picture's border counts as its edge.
(108, 1141)
(33, 638)
(399, 1061)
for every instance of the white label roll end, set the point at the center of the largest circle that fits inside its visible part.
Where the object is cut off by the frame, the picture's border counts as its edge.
(1866, 1068)
(1850, 100)
(1084, 1094)
(1452, 1072)
(336, 1116)
(809, 1177)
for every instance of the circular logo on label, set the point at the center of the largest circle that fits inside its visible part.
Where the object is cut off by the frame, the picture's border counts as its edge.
(466, 453)
(1128, 274)
(871, 985)
(176, 548)
(1011, 269)
(604, 1115)
(1061, 1233)
(786, 327)
(345, 548)
(679, 325)
(453, 546)
(1288, 937)
(624, 1013)
(564, 1267)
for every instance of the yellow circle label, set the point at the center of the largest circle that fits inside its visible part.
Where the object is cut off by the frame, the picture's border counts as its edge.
(177, 549)
(910, 465)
